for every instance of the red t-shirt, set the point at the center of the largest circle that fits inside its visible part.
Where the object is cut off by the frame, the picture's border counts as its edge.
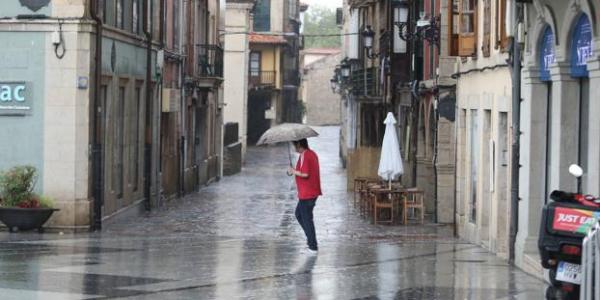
(310, 187)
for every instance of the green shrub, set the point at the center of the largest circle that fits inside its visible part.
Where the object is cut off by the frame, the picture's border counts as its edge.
(16, 185)
(46, 202)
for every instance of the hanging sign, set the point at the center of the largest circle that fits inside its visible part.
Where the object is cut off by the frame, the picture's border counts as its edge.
(547, 56)
(581, 47)
(15, 98)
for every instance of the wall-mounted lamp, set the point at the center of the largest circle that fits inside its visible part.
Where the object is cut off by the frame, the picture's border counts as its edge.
(334, 85)
(368, 35)
(424, 29)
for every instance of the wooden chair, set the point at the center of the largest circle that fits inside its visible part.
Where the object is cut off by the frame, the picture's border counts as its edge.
(382, 200)
(360, 184)
(414, 200)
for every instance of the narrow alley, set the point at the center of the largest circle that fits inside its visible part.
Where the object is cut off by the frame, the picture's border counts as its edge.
(238, 239)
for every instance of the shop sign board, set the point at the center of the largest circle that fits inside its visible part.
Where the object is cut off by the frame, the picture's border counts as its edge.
(581, 47)
(547, 56)
(15, 98)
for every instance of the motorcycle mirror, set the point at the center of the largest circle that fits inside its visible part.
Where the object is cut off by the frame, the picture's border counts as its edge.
(576, 171)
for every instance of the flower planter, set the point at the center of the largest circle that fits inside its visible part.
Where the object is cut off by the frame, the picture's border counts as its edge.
(21, 219)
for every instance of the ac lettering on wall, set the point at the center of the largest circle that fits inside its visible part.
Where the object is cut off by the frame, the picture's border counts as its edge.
(15, 98)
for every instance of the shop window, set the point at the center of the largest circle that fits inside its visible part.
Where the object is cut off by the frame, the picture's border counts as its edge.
(466, 15)
(501, 36)
(262, 15)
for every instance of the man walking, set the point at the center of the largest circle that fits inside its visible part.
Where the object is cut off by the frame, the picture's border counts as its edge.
(308, 181)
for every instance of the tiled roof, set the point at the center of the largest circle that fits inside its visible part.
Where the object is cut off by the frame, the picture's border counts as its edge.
(266, 39)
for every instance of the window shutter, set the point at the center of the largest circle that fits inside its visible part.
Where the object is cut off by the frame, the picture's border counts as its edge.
(501, 37)
(353, 38)
(487, 27)
(467, 40)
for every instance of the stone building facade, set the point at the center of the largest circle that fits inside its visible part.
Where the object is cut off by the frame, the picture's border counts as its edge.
(322, 105)
(106, 88)
(559, 123)
(483, 116)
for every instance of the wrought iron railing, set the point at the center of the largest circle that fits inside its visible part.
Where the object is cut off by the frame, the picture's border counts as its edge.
(210, 60)
(366, 82)
(262, 78)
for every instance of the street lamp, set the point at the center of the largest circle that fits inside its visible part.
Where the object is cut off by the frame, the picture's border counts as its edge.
(345, 70)
(368, 35)
(334, 84)
(424, 29)
(401, 19)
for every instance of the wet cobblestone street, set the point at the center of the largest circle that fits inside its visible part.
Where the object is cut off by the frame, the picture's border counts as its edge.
(238, 239)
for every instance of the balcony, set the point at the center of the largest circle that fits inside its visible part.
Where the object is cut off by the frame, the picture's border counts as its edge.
(366, 83)
(262, 78)
(210, 64)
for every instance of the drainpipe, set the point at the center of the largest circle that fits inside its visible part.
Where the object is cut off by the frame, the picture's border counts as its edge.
(149, 100)
(96, 116)
(516, 125)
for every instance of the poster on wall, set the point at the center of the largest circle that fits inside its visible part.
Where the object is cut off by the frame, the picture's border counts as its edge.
(15, 98)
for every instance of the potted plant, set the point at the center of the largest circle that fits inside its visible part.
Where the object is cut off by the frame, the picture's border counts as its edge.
(20, 207)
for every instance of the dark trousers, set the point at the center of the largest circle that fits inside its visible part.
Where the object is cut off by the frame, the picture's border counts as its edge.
(304, 215)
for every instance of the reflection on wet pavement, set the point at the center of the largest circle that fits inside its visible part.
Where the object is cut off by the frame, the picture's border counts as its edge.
(238, 239)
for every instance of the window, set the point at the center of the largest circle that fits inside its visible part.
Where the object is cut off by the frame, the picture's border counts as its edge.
(118, 144)
(292, 8)
(474, 141)
(176, 24)
(120, 14)
(501, 37)
(136, 119)
(262, 16)
(467, 27)
(487, 27)
(254, 64)
(135, 22)
(104, 11)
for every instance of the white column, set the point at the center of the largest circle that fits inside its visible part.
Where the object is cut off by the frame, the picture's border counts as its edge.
(532, 172)
(593, 168)
(565, 127)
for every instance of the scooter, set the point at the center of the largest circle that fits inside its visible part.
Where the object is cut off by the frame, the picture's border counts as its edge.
(565, 221)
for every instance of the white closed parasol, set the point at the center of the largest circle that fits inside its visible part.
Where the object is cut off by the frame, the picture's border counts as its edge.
(390, 163)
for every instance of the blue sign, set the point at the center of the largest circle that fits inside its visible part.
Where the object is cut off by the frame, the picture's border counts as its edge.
(547, 56)
(581, 47)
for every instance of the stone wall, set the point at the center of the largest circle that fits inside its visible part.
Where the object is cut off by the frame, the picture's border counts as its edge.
(323, 107)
